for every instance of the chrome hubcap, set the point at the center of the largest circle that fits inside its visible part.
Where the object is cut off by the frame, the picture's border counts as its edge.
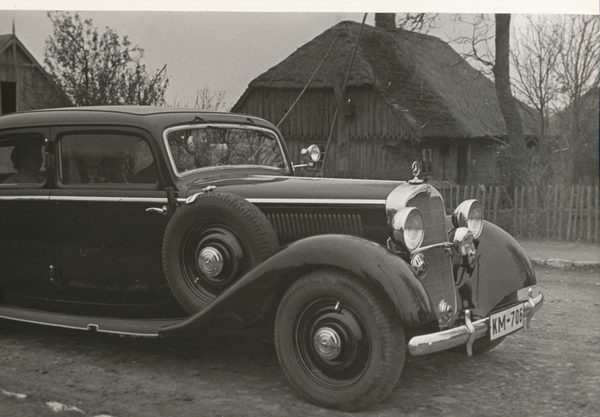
(327, 343)
(210, 261)
(332, 343)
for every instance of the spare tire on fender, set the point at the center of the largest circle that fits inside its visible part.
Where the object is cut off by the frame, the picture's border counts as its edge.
(210, 243)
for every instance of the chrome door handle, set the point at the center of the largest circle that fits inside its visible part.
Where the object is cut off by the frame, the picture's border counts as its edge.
(162, 210)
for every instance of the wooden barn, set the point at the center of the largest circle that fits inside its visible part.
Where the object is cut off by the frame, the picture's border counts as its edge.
(402, 96)
(24, 84)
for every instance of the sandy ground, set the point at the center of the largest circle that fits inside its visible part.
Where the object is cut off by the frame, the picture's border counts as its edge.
(553, 249)
(553, 369)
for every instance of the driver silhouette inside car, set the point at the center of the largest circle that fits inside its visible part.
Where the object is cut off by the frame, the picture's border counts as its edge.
(27, 159)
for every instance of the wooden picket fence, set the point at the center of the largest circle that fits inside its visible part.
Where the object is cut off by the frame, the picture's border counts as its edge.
(556, 212)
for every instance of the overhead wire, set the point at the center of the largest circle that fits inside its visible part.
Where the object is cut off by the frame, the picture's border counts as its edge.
(335, 114)
(308, 82)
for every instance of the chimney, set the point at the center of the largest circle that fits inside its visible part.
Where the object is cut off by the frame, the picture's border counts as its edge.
(385, 21)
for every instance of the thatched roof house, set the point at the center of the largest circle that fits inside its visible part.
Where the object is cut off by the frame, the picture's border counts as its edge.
(410, 94)
(24, 84)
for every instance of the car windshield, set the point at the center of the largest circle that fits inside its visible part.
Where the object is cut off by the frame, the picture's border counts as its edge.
(208, 146)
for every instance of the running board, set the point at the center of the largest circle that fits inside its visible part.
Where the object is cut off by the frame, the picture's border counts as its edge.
(130, 327)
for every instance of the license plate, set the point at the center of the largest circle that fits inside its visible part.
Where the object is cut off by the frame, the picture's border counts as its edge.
(506, 321)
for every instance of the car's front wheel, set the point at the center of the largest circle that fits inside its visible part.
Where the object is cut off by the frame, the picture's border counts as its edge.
(339, 341)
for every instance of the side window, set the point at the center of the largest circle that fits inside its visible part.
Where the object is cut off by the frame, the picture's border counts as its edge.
(105, 158)
(144, 168)
(22, 160)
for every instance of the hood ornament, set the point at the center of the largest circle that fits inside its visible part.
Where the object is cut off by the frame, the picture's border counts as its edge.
(416, 170)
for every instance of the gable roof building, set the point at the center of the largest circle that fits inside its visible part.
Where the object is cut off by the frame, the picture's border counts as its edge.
(403, 89)
(24, 84)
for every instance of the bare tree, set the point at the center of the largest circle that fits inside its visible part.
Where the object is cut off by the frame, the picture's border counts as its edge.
(535, 56)
(208, 100)
(493, 59)
(555, 60)
(205, 100)
(555, 63)
(508, 104)
(475, 40)
(579, 77)
(417, 22)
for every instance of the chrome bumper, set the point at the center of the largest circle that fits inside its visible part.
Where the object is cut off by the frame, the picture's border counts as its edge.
(467, 333)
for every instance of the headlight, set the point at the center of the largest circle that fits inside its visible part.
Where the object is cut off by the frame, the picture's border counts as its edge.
(463, 242)
(469, 214)
(312, 152)
(407, 228)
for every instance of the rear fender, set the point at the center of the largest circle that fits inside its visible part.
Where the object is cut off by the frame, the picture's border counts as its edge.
(248, 299)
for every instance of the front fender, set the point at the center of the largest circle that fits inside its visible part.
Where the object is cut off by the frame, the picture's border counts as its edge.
(502, 268)
(245, 300)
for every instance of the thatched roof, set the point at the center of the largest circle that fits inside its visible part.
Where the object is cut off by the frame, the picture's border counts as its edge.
(429, 84)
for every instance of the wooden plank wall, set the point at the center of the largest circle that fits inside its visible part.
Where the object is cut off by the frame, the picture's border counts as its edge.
(555, 212)
(311, 118)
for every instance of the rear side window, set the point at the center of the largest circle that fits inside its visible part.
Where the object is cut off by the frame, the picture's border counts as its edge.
(22, 160)
(105, 158)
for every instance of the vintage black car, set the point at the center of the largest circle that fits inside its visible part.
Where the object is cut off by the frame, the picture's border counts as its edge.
(152, 221)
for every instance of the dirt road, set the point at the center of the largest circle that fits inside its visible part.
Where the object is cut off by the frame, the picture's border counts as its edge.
(551, 370)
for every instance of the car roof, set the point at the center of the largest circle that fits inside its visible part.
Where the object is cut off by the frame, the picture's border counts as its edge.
(149, 117)
(139, 110)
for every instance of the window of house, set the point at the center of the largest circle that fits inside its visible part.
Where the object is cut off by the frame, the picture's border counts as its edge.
(8, 97)
(427, 160)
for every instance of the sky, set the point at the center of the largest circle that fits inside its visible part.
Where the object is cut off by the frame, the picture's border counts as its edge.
(223, 45)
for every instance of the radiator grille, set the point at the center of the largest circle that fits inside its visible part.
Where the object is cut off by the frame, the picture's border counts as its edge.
(439, 281)
(434, 218)
(293, 226)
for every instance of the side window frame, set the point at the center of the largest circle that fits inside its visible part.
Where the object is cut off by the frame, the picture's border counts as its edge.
(59, 133)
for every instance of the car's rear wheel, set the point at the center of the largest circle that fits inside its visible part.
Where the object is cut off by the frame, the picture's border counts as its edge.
(339, 342)
(210, 243)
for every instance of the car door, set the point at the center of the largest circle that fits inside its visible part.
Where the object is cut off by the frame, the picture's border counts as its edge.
(26, 257)
(107, 219)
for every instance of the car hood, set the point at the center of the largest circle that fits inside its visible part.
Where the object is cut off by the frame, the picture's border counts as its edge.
(268, 188)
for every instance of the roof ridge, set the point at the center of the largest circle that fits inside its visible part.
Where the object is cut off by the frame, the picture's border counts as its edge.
(390, 31)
